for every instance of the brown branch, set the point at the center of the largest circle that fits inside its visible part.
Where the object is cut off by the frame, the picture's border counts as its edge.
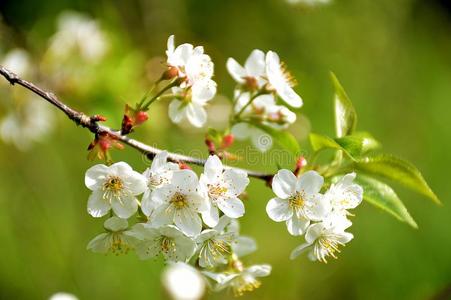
(91, 123)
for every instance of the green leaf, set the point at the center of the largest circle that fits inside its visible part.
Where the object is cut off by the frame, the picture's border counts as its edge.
(398, 170)
(383, 196)
(283, 138)
(358, 143)
(319, 142)
(345, 114)
(353, 145)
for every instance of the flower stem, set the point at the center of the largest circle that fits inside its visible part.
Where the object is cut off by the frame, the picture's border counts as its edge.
(259, 93)
(157, 95)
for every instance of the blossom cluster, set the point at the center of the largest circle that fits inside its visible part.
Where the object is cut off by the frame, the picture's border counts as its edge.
(261, 80)
(322, 217)
(185, 218)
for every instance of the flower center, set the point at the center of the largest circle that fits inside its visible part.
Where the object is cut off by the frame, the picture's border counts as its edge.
(216, 191)
(113, 188)
(179, 200)
(326, 246)
(296, 201)
(245, 283)
(118, 245)
(114, 184)
(167, 244)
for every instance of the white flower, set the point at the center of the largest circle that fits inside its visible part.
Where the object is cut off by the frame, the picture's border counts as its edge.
(215, 245)
(323, 241)
(114, 187)
(30, 123)
(179, 202)
(190, 104)
(260, 139)
(158, 175)
(253, 71)
(345, 194)
(80, 34)
(167, 240)
(117, 239)
(63, 296)
(183, 282)
(240, 279)
(280, 80)
(190, 61)
(298, 200)
(222, 187)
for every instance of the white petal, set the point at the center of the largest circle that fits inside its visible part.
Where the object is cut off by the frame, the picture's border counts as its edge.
(159, 161)
(97, 205)
(236, 181)
(170, 45)
(148, 249)
(255, 63)
(100, 244)
(127, 208)
(95, 177)
(188, 221)
(176, 111)
(196, 114)
(213, 168)
(317, 207)
(279, 210)
(185, 248)
(236, 70)
(121, 169)
(313, 232)
(147, 205)
(232, 207)
(203, 91)
(224, 222)
(244, 245)
(211, 216)
(185, 181)
(116, 224)
(181, 55)
(297, 226)
(345, 237)
(161, 216)
(284, 184)
(310, 182)
(289, 96)
(135, 183)
(299, 250)
(259, 270)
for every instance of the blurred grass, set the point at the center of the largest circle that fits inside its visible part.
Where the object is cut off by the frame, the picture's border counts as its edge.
(393, 58)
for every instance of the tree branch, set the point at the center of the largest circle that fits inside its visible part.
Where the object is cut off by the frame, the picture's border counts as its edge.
(91, 123)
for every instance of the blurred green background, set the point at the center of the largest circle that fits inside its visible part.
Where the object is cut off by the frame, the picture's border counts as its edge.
(394, 60)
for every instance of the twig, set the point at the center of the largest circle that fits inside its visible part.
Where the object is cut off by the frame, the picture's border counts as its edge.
(91, 123)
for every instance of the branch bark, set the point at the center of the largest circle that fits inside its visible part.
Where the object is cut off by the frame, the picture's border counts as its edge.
(91, 123)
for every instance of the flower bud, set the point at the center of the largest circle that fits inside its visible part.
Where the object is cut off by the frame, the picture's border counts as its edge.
(184, 166)
(141, 117)
(227, 141)
(170, 73)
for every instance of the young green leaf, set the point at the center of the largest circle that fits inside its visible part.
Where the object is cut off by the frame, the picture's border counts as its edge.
(398, 170)
(283, 138)
(345, 114)
(353, 145)
(383, 196)
(358, 144)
